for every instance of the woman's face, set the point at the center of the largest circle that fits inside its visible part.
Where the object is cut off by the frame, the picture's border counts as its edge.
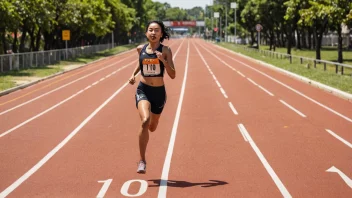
(154, 32)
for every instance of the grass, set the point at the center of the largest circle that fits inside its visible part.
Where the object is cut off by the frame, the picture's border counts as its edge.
(327, 53)
(8, 79)
(328, 77)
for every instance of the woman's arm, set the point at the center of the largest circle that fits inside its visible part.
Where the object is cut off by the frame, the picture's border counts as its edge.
(137, 69)
(168, 63)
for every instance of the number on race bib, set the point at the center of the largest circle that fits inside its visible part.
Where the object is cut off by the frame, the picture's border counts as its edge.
(151, 67)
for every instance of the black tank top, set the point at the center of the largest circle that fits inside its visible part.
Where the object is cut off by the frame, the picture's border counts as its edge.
(149, 64)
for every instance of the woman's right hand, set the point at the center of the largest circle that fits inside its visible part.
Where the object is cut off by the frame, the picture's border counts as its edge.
(132, 80)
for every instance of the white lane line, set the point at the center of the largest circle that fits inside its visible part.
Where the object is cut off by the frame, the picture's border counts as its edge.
(35, 168)
(233, 108)
(242, 129)
(288, 87)
(167, 163)
(88, 87)
(65, 85)
(241, 74)
(268, 92)
(250, 80)
(95, 83)
(223, 92)
(51, 108)
(295, 110)
(266, 164)
(217, 82)
(260, 87)
(339, 138)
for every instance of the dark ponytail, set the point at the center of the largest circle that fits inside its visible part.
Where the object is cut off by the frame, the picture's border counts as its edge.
(164, 30)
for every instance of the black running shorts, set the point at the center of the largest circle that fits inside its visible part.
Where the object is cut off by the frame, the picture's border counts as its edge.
(155, 95)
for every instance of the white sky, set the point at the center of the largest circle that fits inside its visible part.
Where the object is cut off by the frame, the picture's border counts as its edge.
(186, 4)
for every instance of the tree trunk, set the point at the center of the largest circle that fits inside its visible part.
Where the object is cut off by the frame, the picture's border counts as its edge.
(31, 34)
(309, 38)
(37, 44)
(304, 41)
(252, 37)
(340, 55)
(23, 39)
(278, 40)
(289, 39)
(317, 43)
(3, 40)
(14, 44)
(272, 40)
(298, 44)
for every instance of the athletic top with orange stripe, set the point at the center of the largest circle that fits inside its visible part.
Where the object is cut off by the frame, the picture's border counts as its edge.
(149, 64)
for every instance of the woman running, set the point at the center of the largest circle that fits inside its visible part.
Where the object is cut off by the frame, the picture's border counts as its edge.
(150, 96)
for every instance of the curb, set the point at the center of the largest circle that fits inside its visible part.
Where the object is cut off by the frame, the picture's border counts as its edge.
(319, 85)
(7, 91)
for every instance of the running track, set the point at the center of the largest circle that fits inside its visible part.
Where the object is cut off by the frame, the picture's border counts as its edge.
(230, 128)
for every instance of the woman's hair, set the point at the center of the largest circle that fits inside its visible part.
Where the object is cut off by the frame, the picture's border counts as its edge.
(164, 30)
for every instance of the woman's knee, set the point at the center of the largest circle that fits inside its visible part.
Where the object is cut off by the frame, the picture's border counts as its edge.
(145, 122)
(153, 126)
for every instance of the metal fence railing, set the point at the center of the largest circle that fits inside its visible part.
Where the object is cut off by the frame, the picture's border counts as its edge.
(17, 61)
(310, 62)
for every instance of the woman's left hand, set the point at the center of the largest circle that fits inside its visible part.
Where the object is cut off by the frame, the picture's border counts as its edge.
(160, 56)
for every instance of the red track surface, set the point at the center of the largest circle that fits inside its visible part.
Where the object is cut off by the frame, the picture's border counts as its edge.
(72, 137)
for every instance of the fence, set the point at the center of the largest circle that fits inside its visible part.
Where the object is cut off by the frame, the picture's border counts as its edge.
(16, 61)
(302, 60)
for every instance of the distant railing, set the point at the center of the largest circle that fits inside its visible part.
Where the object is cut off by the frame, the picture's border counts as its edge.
(17, 61)
(302, 60)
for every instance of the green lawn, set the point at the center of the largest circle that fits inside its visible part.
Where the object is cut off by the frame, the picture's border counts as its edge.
(7, 78)
(327, 53)
(328, 77)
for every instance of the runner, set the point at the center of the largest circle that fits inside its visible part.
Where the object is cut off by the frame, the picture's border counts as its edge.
(150, 96)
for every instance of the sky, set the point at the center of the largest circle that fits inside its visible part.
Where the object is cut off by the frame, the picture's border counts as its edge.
(186, 4)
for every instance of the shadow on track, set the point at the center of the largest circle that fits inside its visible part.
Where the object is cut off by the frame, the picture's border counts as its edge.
(185, 184)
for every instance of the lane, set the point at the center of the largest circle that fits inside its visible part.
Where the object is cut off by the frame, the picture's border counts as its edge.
(106, 147)
(337, 112)
(42, 87)
(211, 157)
(337, 115)
(16, 117)
(6, 107)
(20, 116)
(24, 147)
(299, 150)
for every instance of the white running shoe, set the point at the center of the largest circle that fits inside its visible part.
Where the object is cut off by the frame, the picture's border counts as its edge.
(142, 166)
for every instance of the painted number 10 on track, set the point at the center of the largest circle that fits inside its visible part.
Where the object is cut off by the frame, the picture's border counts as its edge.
(124, 189)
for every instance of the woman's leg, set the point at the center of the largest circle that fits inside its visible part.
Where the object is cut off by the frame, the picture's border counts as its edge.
(154, 120)
(144, 113)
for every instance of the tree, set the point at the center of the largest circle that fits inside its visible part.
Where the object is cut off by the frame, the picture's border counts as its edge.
(9, 21)
(317, 17)
(338, 12)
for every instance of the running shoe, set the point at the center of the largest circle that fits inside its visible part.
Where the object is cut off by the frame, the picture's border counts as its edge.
(142, 166)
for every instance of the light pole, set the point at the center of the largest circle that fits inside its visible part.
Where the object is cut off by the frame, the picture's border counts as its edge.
(234, 5)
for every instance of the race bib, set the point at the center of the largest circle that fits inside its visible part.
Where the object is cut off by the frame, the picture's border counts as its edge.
(151, 67)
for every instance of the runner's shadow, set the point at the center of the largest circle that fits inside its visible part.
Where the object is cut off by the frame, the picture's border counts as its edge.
(185, 184)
